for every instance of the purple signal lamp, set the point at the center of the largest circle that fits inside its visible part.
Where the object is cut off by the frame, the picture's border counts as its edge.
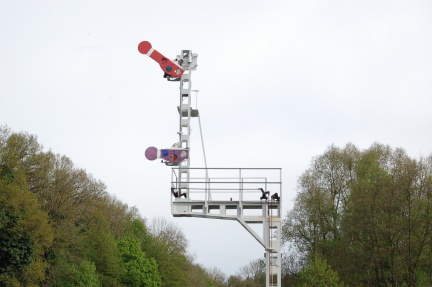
(172, 156)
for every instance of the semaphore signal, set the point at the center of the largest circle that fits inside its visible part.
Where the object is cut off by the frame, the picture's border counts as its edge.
(241, 194)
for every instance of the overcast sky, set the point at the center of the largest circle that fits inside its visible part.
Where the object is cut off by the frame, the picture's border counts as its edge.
(279, 82)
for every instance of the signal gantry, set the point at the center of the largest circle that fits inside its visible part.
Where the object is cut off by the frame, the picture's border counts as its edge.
(240, 194)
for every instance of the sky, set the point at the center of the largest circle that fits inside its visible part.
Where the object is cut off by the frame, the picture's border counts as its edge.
(279, 82)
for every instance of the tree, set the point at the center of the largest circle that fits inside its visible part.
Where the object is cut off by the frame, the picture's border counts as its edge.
(122, 219)
(255, 271)
(84, 275)
(217, 277)
(16, 245)
(138, 270)
(197, 276)
(75, 201)
(23, 151)
(100, 247)
(291, 266)
(238, 281)
(235, 281)
(314, 224)
(319, 273)
(169, 234)
(389, 216)
(59, 227)
(167, 245)
(70, 197)
(25, 233)
(373, 205)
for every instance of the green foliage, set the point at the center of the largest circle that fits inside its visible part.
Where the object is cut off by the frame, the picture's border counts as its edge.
(25, 233)
(238, 281)
(167, 245)
(59, 227)
(7, 174)
(75, 275)
(235, 281)
(139, 231)
(100, 246)
(16, 248)
(173, 267)
(138, 270)
(197, 276)
(85, 275)
(319, 273)
(373, 205)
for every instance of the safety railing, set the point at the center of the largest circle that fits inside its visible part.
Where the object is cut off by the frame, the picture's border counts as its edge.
(249, 187)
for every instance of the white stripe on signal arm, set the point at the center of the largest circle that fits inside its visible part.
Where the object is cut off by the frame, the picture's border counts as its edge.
(150, 51)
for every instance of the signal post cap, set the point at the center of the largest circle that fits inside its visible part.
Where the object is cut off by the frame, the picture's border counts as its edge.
(144, 47)
(151, 153)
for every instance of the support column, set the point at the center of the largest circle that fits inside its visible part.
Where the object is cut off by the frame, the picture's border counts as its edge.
(188, 62)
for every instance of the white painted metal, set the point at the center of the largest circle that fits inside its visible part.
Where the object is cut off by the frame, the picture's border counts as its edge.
(235, 195)
(188, 62)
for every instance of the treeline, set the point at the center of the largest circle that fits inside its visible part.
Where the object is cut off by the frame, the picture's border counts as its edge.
(362, 217)
(59, 227)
